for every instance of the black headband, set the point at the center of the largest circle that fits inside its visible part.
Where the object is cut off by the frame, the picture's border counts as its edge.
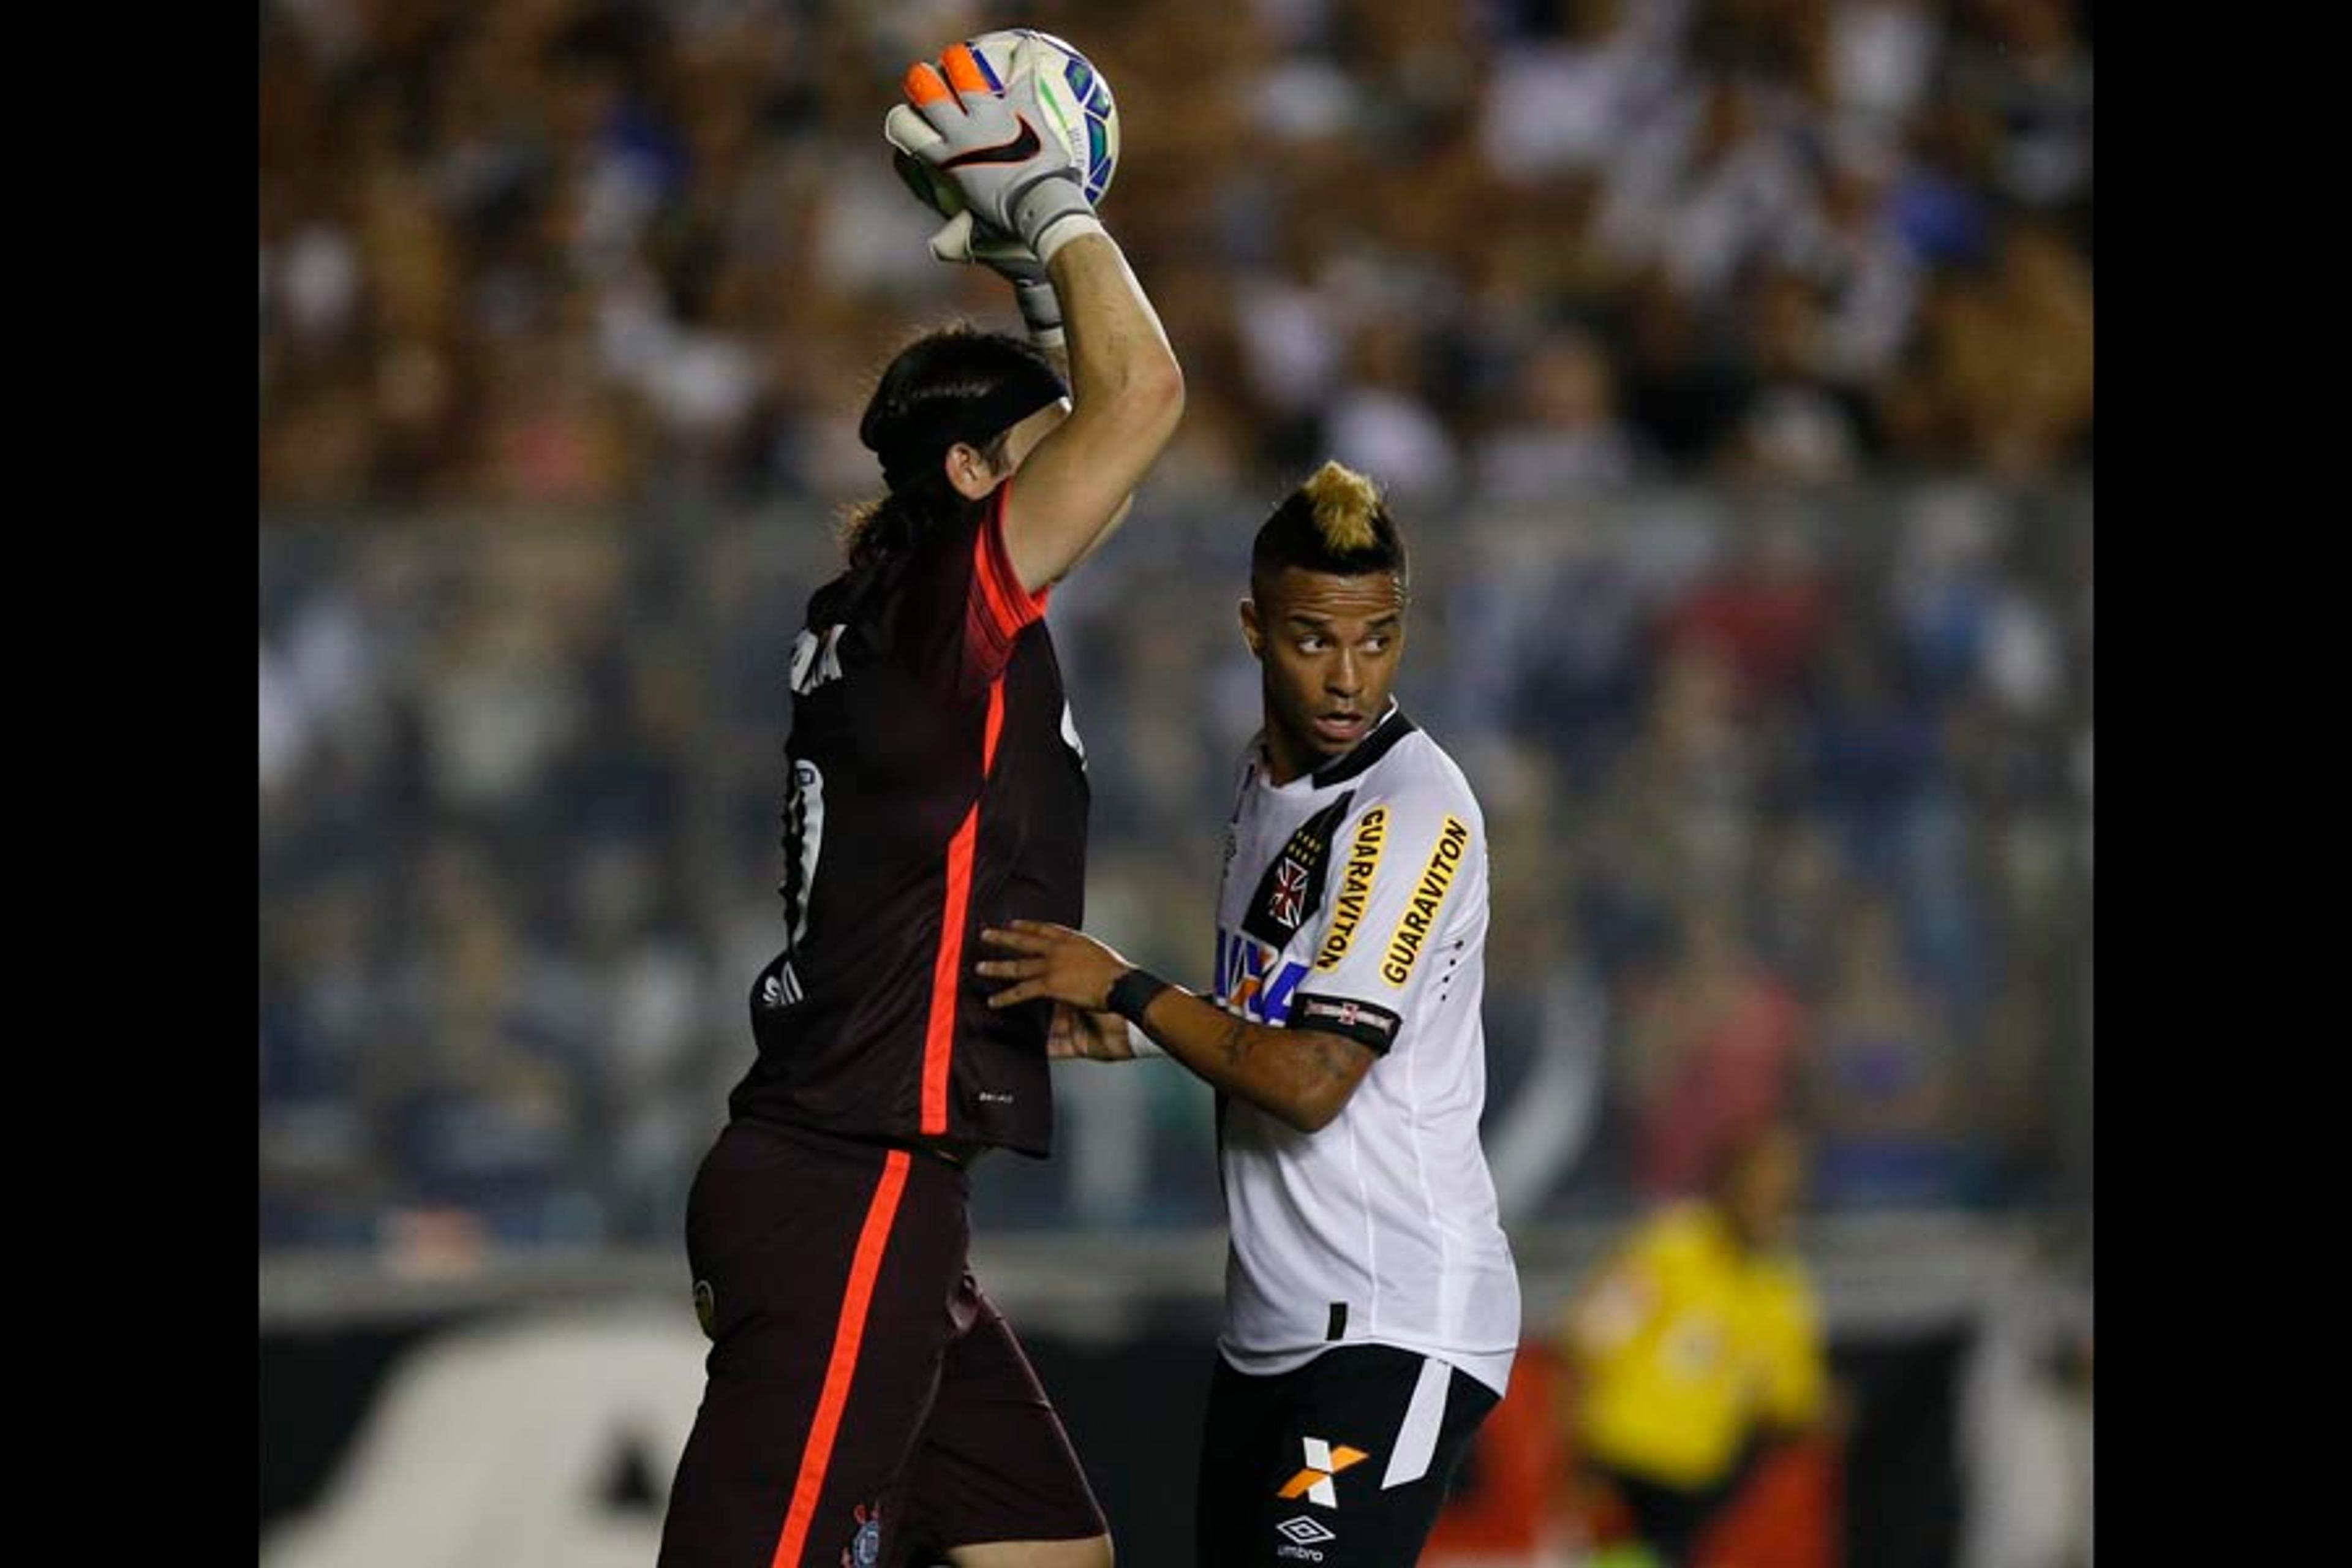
(917, 442)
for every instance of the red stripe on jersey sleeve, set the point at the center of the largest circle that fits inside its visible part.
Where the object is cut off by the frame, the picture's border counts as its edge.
(999, 607)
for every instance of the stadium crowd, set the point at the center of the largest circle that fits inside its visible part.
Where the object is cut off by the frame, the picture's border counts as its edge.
(583, 250)
(1729, 361)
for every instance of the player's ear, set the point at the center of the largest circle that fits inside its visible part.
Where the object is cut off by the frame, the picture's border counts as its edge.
(1252, 633)
(969, 471)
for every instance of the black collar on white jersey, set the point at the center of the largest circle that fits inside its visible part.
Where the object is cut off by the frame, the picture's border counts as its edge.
(1393, 727)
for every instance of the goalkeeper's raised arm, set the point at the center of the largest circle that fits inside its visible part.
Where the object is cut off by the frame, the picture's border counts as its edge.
(1127, 391)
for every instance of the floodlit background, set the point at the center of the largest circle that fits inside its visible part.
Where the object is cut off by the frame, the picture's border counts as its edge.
(1729, 364)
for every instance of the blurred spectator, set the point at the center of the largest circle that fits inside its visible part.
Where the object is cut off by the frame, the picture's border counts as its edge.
(1713, 1049)
(1764, 611)
(2001, 372)
(1886, 1095)
(1685, 386)
(1874, 753)
(1716, 183)
(1883, 55)
(2033, 78)
(1698, 1342)
(1561, 437)
(1377, 420)
(1570, 103)
(1868, 276)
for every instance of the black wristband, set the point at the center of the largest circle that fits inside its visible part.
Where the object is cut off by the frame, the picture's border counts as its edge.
(1133, 992)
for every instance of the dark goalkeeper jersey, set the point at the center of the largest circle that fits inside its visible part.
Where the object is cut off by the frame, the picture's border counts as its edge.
(937, 786)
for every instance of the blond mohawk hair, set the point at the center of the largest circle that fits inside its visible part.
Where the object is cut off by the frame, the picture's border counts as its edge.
(1336, 522)
(1344, 502)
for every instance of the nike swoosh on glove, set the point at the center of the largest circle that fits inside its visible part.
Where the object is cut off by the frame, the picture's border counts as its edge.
(1013, 178)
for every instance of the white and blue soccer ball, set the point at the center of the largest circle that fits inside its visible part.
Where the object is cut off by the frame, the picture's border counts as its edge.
(1075, 96)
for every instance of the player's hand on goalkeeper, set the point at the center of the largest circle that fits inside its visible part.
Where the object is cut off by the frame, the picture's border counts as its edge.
(1069, 966)
(1015, 175)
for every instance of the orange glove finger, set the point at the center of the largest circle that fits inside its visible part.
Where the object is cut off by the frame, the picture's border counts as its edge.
(922, 85)
(964, 72)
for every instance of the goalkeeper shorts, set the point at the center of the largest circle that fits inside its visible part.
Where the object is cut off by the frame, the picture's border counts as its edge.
(865, 1402)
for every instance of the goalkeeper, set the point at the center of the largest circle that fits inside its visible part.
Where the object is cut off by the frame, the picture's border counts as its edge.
(865, 1404)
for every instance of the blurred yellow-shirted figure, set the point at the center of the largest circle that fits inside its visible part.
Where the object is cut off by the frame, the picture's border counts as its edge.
(1698, 1336)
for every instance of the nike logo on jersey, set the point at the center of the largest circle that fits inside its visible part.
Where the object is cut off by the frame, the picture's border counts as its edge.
(1020, 150)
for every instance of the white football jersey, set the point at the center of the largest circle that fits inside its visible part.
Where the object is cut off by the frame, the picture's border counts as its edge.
(1354, 901)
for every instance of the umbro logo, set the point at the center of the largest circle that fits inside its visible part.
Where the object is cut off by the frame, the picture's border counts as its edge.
(1300, 1536)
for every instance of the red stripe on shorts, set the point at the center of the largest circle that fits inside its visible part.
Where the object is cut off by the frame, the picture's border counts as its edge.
(865, 1265)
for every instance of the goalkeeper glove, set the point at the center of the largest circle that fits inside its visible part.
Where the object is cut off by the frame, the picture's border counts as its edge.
(1015, 179)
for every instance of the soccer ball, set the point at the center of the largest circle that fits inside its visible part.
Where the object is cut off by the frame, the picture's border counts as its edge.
(1074, 96)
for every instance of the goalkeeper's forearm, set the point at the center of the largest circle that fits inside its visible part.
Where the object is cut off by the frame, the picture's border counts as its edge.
(1117, 349)
(1127, 397)
(1053, 342)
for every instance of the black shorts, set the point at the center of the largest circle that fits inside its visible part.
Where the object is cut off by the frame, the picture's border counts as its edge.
(1344, 1462)
(865, 1403)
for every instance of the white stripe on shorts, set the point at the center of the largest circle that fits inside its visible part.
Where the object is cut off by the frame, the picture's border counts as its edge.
(1416, 1440)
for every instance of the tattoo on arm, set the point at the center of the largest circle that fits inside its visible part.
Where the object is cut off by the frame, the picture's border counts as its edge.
(1302, 1076)
(1235, 1042)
